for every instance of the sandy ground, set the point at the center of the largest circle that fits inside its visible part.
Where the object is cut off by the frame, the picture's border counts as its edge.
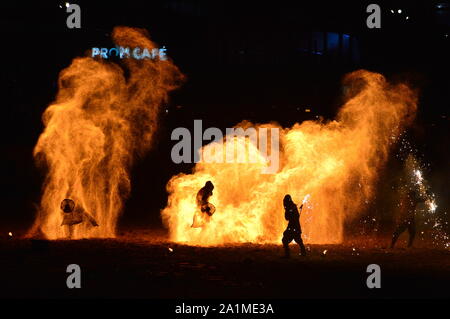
(147, 268)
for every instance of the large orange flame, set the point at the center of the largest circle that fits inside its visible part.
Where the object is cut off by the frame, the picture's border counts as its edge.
(336, 163)
(103, 117)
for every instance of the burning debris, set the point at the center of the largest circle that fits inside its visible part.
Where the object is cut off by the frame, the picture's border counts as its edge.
(104, 115)
(335, 162)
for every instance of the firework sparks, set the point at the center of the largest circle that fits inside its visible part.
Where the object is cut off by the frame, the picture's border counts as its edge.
(431, 218)
(419, 177)
(420, 184)
(306, 198)
(432, 206)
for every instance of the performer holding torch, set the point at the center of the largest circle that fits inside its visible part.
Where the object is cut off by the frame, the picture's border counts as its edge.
(74, 215)
(293, 230)
(205, 208)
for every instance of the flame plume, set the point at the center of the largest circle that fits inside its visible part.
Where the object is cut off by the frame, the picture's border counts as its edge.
(336, 163)
(103, 117)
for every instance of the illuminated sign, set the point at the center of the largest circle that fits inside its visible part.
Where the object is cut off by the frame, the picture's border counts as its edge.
(136, 53)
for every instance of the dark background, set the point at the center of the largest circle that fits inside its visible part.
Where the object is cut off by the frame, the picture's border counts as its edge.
(243, 60)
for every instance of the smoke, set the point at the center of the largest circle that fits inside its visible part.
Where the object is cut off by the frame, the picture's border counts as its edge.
(104, 116)
(336, 163)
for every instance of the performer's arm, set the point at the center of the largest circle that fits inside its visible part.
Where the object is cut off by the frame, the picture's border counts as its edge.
(91, 219)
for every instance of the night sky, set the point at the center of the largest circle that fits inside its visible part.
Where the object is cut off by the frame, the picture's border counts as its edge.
(255, 61)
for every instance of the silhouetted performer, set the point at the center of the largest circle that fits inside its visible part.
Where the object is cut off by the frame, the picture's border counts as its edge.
(74, 214)
(293, 230)
(407, 218)
(206, 209)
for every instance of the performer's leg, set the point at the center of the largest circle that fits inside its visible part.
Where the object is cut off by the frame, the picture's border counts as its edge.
(299, 241)
(70, 231)
(287, 238)
(197, 221)
(400, 229)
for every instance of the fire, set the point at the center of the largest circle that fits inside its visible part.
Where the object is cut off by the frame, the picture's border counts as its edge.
(104, 115)
(335, 163)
